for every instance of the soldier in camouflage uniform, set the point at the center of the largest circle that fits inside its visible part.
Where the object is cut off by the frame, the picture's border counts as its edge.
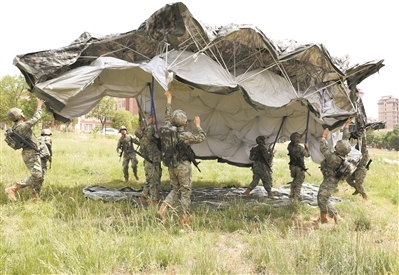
(262, 168)
(30, 157)
(356, 180)
(152, 164)
(297, 154)
(45, 139)
(329, 166)
(125, 147)
(180, 176)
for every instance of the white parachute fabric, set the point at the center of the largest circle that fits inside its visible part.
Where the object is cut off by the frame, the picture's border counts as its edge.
(241, 83)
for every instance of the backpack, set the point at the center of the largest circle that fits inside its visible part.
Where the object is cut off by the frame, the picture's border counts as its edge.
(253, 153)
(345, 169)
(11, 141)
(44, 147)
(169, 148)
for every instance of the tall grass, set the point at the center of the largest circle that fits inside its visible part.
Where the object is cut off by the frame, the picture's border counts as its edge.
(64, 233)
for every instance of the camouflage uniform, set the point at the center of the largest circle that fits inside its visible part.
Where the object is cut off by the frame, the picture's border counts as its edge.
(261, 170)
(297, 154)
(125, 144)
(30, 156)
(180, 176)
(47, 140)
(153, 171)
(328, 167)
(356, 180)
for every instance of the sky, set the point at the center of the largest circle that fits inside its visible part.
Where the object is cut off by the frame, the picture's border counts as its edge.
(363, 29)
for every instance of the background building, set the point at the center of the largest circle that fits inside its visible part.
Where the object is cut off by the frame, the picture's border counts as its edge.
(86, 124)
(388, 111)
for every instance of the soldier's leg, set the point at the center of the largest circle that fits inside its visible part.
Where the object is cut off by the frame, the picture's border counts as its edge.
(34, 165)
(267, 181)
(134, 167)
(351, 181)
(185, 179)
(298, 181)
(173, 195)
(125, 169)
(360, 175)
(145, 194)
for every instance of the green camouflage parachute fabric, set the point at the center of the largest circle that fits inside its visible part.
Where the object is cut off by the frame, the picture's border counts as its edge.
(247, 89)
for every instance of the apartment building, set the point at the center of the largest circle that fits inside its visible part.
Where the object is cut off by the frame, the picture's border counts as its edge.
(388, 111)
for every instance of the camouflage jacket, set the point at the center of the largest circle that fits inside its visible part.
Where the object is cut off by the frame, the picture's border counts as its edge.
(331, 160)
(125, 144)
(24, 128)
(297, 153)
(265, 155)
(148, 144)
(365, 154)
(187, 137)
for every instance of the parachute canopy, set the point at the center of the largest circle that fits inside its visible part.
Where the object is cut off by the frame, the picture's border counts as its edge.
(241, 83)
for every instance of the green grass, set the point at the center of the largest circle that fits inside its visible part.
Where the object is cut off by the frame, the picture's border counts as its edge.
(64, 233)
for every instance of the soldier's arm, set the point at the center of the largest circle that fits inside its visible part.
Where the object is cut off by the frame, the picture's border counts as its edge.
(323, 143)
(168, 107)
(346, 135)
(38, 114)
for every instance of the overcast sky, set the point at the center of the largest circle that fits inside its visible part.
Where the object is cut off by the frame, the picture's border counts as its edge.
(365, 30)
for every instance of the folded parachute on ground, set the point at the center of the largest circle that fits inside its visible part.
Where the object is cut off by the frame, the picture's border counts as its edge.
(241, 83)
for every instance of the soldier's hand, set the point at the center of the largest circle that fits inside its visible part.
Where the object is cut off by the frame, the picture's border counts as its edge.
(304, 132)
(325, 133)
(197, 121)
(40, 103)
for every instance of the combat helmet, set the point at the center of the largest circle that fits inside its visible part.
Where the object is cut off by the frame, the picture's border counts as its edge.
(14, 114)
(260, 140)
(46, 132)
(295, 137)
(179, 118)
(342, 147)
(122, 128)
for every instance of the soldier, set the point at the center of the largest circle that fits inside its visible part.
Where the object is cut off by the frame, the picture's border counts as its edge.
(262, 167)
(356, 180)
(152, 163)
(30, 157)
(125, 148)
(329, 166)
(180, 176)
(297, 154)
(45, 144)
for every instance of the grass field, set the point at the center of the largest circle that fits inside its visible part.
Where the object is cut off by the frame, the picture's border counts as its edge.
(64, 233)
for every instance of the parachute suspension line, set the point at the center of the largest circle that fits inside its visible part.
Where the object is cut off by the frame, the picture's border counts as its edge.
(124, 48)
(265, 69)
(278, 133)
(234, 58)
(307, 126)
(152, 105)
(192, 37)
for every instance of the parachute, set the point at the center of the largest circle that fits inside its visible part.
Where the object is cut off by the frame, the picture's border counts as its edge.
(240, 82)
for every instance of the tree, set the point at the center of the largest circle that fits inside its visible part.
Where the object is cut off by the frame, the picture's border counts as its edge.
(123, 117)
(104, 110)
(11, 90)
(394, 141)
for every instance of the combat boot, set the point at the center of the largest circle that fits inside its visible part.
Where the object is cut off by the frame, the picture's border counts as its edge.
(183, 220)
(364, 195)
(338, 218)
(247, 191)
(35, 196)
(11, 191)
(154, 203)
(291, 191)
(144, 201)
(126, 180)
(162, 211)
(323, 217)
(296, 198)
(270, 194)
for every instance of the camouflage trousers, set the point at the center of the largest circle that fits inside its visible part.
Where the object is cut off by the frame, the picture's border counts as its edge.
(125, 165)
(180, 180)
(261, 172)
(34, 165)
(153, 174)
(327, 187)
(356, 180)
(298, 176)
